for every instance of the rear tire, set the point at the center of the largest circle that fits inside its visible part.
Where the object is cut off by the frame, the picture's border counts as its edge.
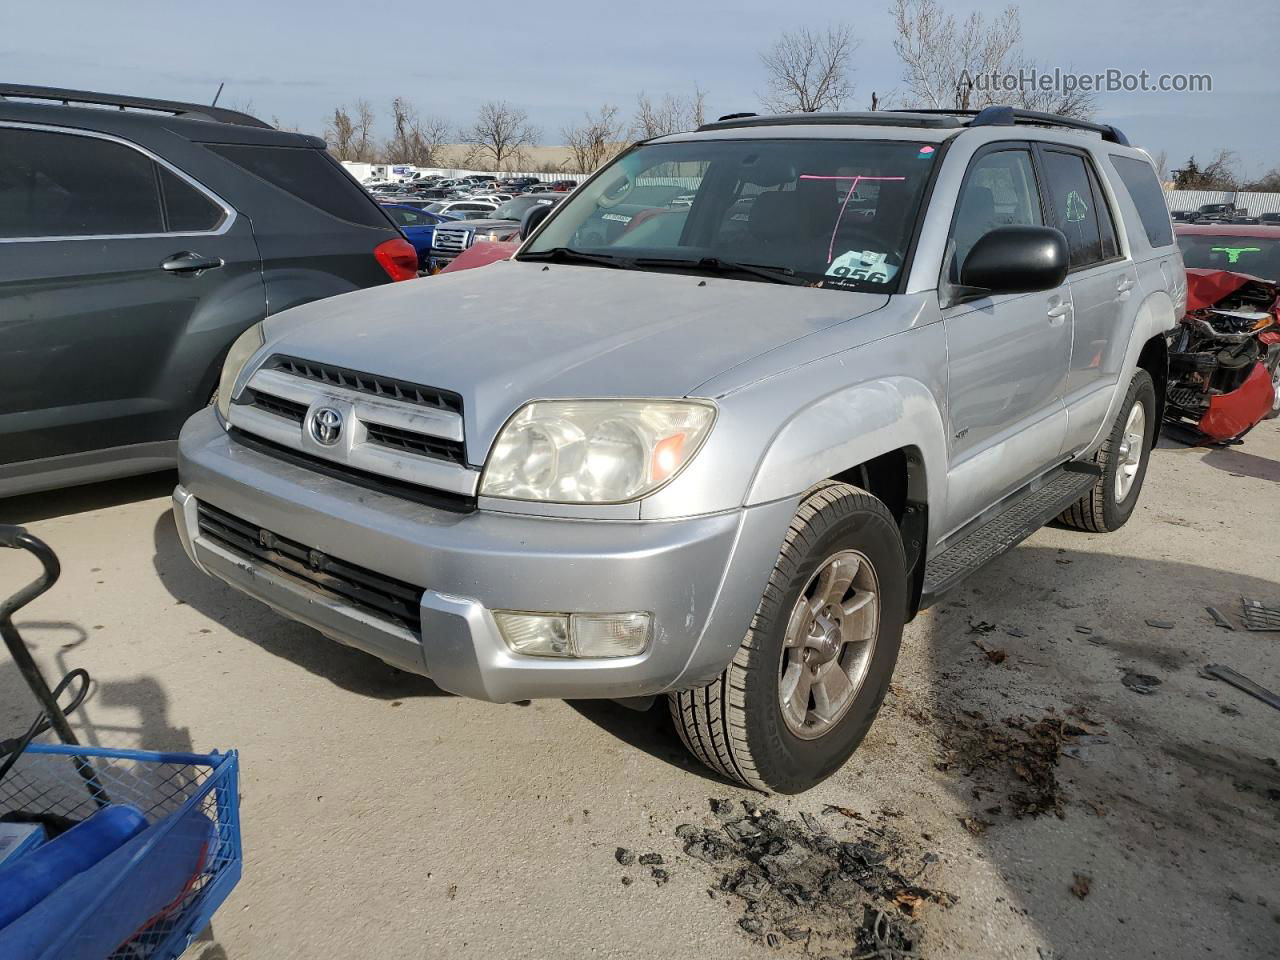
(1123, 458)
(748, 724)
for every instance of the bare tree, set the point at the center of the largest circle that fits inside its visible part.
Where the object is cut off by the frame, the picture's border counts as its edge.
(592, 141)
(1269, 182)
(670, 115)
(500, 134)
(1218, 174)
(416, 140)
(947, 63)
(340, 134)
(1161, 163)
(349, 132)
(809, 71)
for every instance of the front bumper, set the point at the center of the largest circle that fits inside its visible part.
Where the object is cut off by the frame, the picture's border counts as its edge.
(701, 578)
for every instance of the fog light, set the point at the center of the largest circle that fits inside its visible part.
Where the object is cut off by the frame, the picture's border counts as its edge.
(535, 634)
(609, 635)
(587, 635)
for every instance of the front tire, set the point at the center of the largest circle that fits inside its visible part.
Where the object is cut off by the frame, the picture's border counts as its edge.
(809, 677)
(1123, 457)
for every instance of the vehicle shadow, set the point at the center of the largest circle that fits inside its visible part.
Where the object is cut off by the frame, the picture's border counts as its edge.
(650, 731)
(31, 507)
(1243, 464)
(257, 623)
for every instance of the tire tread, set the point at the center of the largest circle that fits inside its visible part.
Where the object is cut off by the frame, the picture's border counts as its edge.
(711, 719)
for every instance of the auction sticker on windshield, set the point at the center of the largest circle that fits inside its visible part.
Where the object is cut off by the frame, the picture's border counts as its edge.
(867, 265)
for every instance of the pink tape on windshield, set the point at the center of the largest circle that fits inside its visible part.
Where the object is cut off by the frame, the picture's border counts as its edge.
(831, 247)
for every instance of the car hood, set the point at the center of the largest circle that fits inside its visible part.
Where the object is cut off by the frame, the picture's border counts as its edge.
(515, 332)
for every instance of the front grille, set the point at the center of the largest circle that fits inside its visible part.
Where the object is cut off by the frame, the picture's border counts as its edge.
(279, 406)
(450, 241)
(378, 483)
(419, 443)
(384, 597)
(385, 387)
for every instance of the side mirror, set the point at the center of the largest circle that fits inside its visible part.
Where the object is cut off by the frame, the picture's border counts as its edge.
(532, 217)
(1015, 259)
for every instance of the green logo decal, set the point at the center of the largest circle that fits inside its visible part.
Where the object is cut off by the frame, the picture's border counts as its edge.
(1233, 253)
(1077, 209)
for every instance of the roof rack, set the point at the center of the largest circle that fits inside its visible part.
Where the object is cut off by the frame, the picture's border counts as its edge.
(875, 118)
(1005, 116)
(188, 111)
(998, 116)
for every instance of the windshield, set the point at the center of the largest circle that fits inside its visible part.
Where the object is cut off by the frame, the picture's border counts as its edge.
(838, 214)
(517, 207)
(1256, 256)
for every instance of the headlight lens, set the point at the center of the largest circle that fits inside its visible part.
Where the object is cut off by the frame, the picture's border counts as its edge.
(594, 451)
(246, 346)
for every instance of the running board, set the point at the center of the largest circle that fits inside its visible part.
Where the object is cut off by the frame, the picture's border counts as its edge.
(1022, 516)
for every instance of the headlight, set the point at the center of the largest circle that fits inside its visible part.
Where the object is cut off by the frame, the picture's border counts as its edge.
(594, 451)
(246, 346)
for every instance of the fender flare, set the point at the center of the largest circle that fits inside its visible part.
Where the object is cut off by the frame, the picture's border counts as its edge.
(1156, 316)
(867, 420)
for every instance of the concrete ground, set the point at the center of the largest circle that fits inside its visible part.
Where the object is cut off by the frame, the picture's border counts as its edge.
(385, 819)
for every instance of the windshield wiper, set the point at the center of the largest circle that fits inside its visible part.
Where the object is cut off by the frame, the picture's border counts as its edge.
(569, 255)
(716, 265)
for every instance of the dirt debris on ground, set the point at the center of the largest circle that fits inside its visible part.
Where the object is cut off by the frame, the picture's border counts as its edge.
(1015, 759)
(832, 886)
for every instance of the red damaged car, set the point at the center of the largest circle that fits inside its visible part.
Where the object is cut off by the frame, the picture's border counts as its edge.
(1224, 358)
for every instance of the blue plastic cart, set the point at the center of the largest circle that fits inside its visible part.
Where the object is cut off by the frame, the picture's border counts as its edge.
(178, 872)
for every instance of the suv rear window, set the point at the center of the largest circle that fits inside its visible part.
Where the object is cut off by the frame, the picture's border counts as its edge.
(311, 176)
(1140, 180)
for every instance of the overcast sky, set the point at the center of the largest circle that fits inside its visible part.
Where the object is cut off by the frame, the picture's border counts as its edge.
(297, 59)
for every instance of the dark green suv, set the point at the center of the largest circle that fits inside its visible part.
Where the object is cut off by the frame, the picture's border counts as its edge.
(135, 245)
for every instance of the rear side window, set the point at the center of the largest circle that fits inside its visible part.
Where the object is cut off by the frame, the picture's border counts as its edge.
(64, 185)
(1143, 186)
(1076, 209)
(309, 175)
(186, 208)
(70, 185)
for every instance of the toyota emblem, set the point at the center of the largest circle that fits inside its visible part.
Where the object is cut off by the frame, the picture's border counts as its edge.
(326, 426)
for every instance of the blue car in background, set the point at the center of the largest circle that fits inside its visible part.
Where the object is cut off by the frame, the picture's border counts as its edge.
(418, 226)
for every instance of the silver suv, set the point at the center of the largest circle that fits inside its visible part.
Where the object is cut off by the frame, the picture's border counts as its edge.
(742, 405)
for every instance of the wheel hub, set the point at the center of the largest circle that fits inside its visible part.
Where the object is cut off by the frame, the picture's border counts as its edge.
(1129, 450)
(828, 643)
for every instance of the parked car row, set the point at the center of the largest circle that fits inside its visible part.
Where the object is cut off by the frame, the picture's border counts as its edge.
(1224, 213)
(482, 207)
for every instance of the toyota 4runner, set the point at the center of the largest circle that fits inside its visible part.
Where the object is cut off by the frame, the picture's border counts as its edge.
(742, 405)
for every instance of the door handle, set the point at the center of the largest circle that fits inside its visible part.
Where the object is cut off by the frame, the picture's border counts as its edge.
(1058, 314)
(188, 262)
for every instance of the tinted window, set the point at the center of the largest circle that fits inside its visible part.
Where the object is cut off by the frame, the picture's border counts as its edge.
(1000, 190)
(63, 185)
(1071, 200)
(1256, 256)
(838, 214)
(1140, 180)
(1106, 226)
(186, 208)
(310, 176)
